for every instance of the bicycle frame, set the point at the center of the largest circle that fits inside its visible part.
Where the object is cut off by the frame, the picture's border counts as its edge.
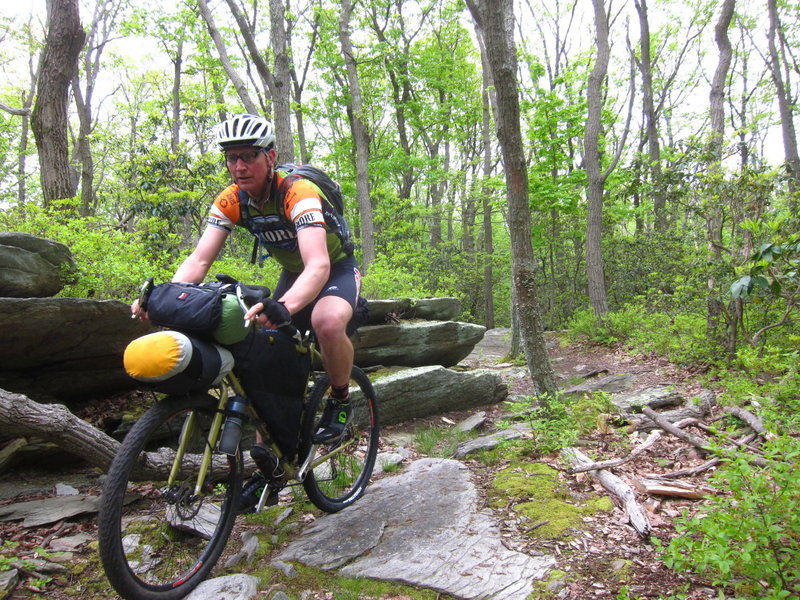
(231, 382)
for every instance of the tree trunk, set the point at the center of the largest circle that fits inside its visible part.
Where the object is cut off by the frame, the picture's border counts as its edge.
(49, 119)
(360, 138)
(595, 180)
(488, 239)
(298, 84)
(651, 132)
(495, 24)
(238, 83)
(177, 64)
(27, 102)
(777, 63)
(715, 308)
(281, 83)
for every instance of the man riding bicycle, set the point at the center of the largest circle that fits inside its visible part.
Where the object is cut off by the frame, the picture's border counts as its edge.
(320, 281)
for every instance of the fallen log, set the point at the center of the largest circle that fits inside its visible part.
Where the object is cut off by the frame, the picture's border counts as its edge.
(619, 490)
(9, 450)
(661, 487)
(21, 416)
(607, 464)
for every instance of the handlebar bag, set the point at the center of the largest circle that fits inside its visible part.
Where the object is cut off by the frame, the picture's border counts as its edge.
(208, 311)
(171, 362)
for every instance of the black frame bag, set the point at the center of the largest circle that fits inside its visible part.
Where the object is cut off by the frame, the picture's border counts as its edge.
(273, 369)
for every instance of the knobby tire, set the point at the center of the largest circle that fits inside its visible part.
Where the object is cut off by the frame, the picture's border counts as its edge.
(166, 541)
(338, 482)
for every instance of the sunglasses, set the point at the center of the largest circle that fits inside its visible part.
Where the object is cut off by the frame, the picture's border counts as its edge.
(232, 158)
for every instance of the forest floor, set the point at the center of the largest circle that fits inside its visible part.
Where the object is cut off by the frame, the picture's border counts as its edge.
(591, 559)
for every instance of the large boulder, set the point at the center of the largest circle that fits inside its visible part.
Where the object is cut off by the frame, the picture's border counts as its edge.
(32, 267)
(431, 309)
(417, 343)
(65, 348)
(432, 390)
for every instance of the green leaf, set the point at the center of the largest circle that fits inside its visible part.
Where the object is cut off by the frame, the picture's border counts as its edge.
(742, 287)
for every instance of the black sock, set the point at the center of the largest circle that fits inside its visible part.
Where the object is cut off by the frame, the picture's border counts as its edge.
(341, 393)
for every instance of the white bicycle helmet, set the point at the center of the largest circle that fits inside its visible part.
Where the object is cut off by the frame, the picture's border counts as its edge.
(245, 130)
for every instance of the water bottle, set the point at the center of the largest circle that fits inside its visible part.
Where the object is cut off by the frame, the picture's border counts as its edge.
(232, 429)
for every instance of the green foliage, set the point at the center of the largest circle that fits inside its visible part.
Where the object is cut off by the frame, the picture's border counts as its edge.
(679, 337)
(112, 263)
(748, 537)
(774, 271)
(563, 419)
(766, 378)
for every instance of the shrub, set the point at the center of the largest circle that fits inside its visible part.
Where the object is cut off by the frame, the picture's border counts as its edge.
(749, 538)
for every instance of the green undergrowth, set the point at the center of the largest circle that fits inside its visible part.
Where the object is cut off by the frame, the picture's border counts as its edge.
(439, 441)
(546, 506)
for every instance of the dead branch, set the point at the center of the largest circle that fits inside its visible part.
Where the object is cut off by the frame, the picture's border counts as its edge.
(691, 471)
(618, 488)
(607, 464)
(669, 427)
(752, 420)
(699, 410)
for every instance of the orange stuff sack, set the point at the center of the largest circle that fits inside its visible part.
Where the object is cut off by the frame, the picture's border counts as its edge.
(174, 363)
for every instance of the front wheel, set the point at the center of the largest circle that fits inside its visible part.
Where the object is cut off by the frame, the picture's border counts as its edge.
(341, 470)
(160, 539)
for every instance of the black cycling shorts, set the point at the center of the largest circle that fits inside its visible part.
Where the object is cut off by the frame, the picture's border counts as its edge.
(343, 282)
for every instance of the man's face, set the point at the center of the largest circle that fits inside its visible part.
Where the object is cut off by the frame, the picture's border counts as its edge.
(251, 168)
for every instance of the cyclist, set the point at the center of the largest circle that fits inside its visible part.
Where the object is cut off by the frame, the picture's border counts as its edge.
(320, 280)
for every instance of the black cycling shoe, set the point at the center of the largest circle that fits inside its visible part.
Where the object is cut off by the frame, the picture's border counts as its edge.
(251, 494)
(334, 421)
(266, 460)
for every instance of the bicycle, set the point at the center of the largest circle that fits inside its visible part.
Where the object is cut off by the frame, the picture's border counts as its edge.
(165, 543)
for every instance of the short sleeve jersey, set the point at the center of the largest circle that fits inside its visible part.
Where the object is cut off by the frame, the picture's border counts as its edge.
(302, 207)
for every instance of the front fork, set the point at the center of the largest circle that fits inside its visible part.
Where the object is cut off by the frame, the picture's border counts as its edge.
(187, 433)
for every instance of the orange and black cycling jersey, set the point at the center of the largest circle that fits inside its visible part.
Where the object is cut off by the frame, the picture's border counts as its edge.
(277, 222)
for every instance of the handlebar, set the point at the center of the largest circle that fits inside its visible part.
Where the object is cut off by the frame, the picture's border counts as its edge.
(247, 296)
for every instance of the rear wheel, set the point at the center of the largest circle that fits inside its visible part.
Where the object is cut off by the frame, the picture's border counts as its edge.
(158, 541)
(343, 468)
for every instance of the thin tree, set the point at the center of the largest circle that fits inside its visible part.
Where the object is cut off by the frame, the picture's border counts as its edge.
(591, 158)
(100, 31)
(779, 68)
(596, 178)
(49, 119)
(360, 137)
(494, 23)
(488, 233)
(714, 217)
(650, 115)
(236, 80)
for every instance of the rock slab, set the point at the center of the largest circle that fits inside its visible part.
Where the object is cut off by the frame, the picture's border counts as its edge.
(433, 390)
(423, 528)
(416, 343)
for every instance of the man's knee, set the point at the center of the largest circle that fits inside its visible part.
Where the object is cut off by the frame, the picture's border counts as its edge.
(330, 322)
